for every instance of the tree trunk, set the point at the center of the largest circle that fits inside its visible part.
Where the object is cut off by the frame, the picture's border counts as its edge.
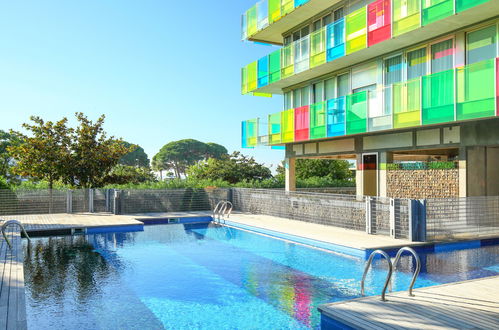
(51, 195)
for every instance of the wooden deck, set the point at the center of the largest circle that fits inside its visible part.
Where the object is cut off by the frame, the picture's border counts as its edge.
(12, 297)
(470, 304)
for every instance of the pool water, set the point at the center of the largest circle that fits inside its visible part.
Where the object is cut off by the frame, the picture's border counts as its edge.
(203, 276)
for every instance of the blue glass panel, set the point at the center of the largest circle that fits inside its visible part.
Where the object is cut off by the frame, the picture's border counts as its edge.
(244, 141)
(336, 109)
(300, 2)
(335, 40)
(263, 71)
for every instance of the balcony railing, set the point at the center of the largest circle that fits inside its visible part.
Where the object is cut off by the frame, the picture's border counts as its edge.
(463, 93)
(360, 29)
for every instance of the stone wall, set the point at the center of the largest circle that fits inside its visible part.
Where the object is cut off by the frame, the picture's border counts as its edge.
(422, 184)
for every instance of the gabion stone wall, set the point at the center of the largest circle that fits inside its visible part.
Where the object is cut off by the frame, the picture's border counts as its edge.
(422, 184)
(328, 209)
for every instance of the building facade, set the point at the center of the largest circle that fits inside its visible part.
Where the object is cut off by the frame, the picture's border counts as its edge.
(407, 88)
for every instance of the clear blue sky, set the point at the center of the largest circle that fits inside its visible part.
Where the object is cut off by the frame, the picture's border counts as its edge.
(159, 70)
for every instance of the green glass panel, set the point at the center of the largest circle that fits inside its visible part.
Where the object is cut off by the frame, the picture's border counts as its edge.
(251, 21)
(275, 128)
(275, 66)
(438, 97)
(318, 120)
(244, 81)
(287, 61)
(318, 47)
(407, 103)
(252, 76)
(467, 4)
(357, 113)
(406, 16)
(434, 10)
(287, 6)
(356, 30)
(475, 90)
(288, 126)
(252, 132)
(274, 10)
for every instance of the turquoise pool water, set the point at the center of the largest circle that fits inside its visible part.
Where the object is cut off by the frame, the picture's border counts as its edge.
(202, 276)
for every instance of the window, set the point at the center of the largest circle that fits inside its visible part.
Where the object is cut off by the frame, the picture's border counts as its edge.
(287, 100)
(305, 96)
(297, 98)
(416, 63)
(481, 45)
(318, 92)
(317, 25)
(392, 74)
(326, 20)
(287, 40)
(329, 89)
(343, 87)
(442, 56)
(338, 14)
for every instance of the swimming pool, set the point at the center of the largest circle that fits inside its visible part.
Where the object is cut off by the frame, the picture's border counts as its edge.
(203, 276)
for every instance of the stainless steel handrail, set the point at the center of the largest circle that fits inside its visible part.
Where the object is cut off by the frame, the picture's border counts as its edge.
(216, 210)
(228, 211)
(13, 222)
(417, 270)
(368, 265)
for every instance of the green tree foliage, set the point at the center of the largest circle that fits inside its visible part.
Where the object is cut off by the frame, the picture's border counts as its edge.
(45, 154)
(125, 174)
(178, 156)
(233, 169)
(311, 168)
(93, 154)
(137, 157)
(6, 160)
(53, 152)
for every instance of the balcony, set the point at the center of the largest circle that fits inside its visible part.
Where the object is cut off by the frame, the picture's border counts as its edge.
(268, 20)
(379, 28)
(463, 93)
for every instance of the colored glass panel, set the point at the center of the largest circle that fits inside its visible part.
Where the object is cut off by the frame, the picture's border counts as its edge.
(251, 21)
(318, 47)
(438, 97)
(252, 76)
(244, 81)
(252, 132)
(481, 44)
(287, 61)
(356, 30)
(475, 90)
(467, 4)
(302, 54)
(288, 126)
(274, 10)
(406, 16)
(244, 27)
(434, 10)
(302, 123)
(336, 109)
(262, 12)
(335, 40)
(407, 103)
(356, 114)
(263, 71)
(378, 22)
(244, 137)
(275, 128)
(318, 120)
(378, 116)
(275, 66)
(300, 2)
(287, 6)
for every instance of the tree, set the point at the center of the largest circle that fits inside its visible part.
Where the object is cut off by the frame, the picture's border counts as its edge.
(233, 169)
(6, 161)
(179, 155)
(309, 168)
(137, 157)
(124, 174)
(93, 154)
(45, 154)
(215, 150)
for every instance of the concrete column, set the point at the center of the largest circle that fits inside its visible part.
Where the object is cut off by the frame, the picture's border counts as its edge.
(463, 186)
(359, 176)
(289, 166)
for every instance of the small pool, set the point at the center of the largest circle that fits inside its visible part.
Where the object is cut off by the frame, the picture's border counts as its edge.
(203, 276)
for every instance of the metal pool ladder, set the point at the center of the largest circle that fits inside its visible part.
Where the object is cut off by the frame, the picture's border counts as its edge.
(222, 210)
(391, 268)
(13, 222)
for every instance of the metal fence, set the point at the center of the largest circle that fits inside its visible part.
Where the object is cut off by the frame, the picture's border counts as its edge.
(461, 218)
